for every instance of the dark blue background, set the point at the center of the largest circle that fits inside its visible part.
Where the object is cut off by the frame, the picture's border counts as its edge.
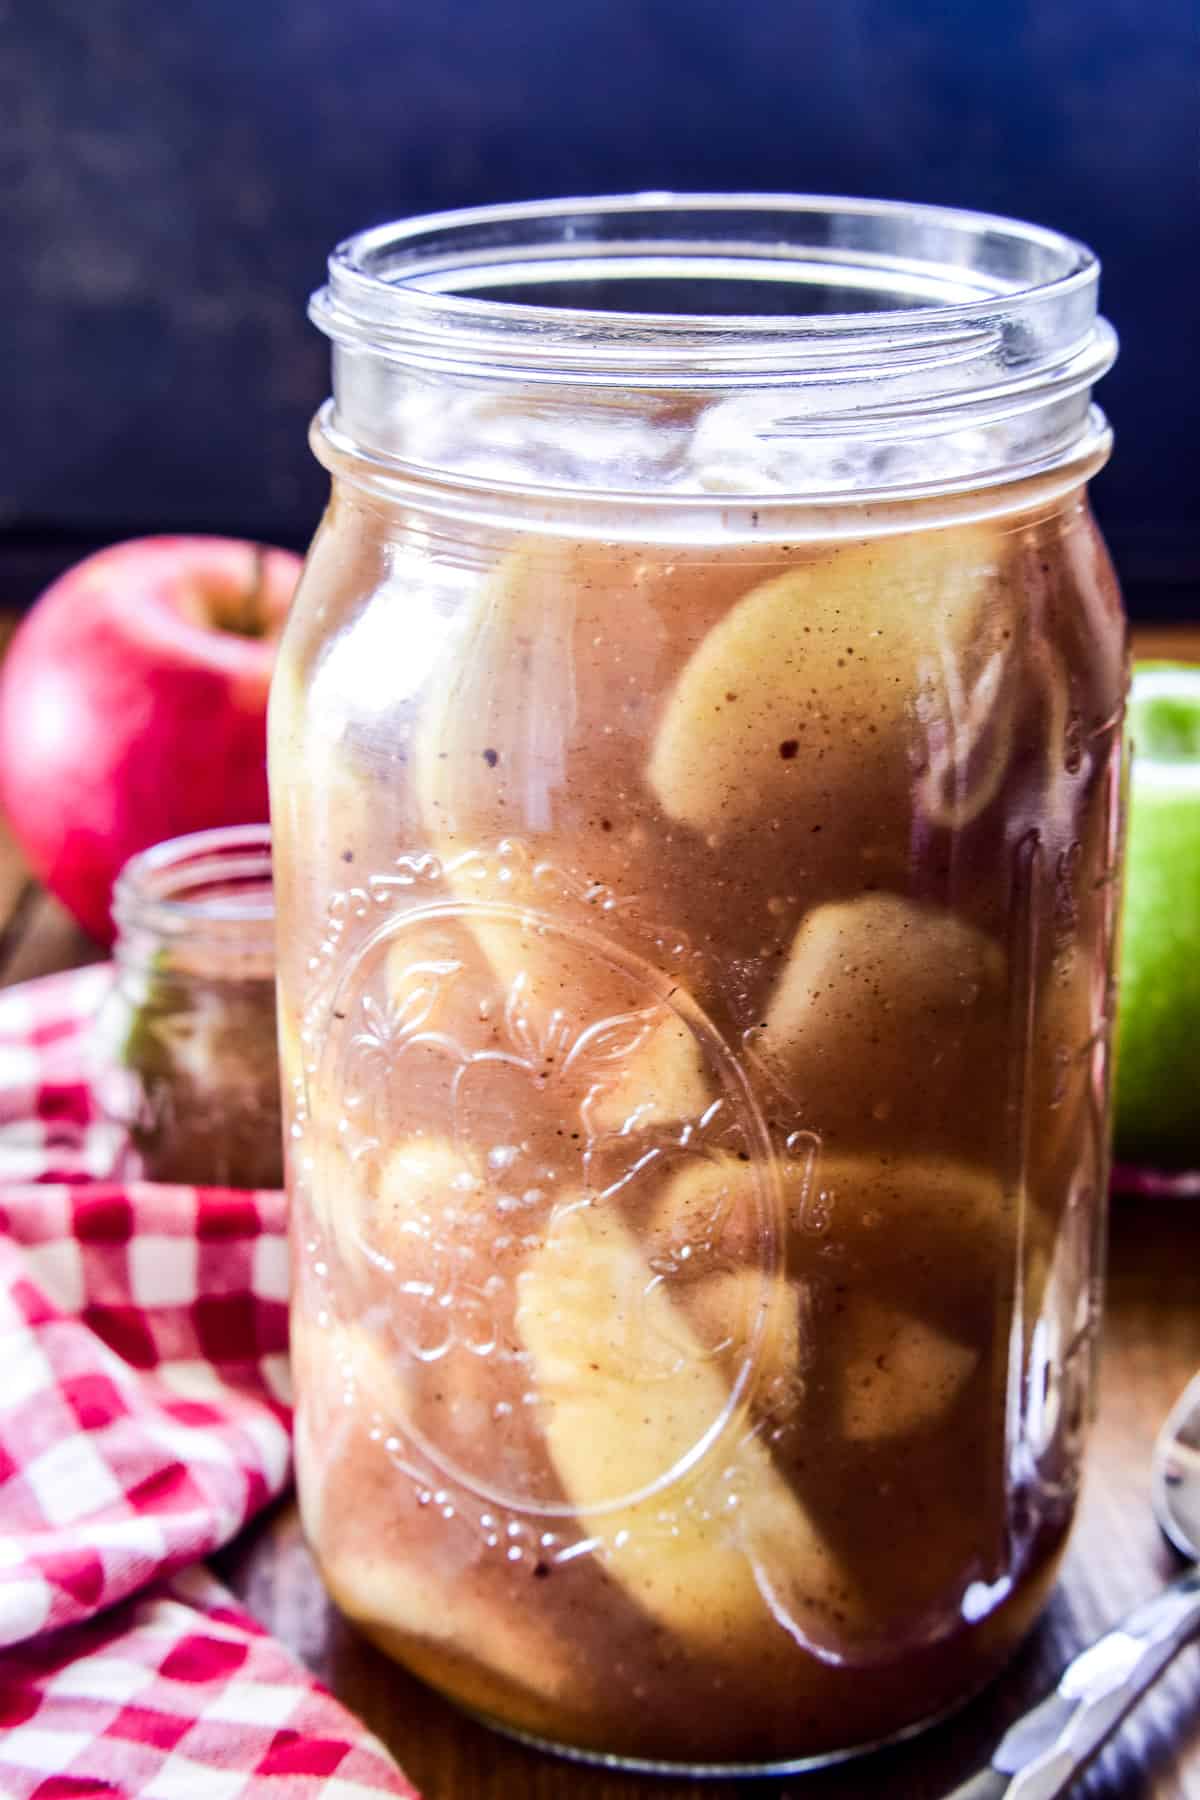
(175, 171)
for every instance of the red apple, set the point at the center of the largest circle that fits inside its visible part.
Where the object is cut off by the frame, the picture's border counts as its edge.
(133, 707)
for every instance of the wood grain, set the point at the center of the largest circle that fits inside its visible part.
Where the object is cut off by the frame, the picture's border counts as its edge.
(1117, 1557)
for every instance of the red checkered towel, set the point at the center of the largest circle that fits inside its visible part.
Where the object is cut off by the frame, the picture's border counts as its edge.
(143, 1420)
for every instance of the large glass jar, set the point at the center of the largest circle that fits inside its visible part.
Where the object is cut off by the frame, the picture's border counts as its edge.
(696, 775)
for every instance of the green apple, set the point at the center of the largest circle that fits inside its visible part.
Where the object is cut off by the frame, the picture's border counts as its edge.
(1158, 1020)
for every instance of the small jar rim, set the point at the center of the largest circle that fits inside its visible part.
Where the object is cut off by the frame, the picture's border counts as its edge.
(168, 892)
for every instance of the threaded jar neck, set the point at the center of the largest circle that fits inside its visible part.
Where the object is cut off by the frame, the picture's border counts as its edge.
(715, 345)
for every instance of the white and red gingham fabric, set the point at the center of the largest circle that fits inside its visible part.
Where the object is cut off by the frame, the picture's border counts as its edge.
(144, 1419)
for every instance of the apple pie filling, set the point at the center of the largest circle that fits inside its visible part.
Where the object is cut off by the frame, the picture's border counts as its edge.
(694, 969)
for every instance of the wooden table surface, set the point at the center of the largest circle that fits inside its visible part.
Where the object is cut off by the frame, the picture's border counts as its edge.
(1151, 1347)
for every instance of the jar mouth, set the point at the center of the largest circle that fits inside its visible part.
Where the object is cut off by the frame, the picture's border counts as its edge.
(209, 887)
(556, 289)
(589, 346)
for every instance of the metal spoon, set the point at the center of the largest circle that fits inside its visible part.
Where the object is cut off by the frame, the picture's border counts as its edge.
(1042, 1753)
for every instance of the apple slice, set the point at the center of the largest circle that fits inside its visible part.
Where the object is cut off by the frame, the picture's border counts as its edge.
(527, 767)
(803, 701)
(890, 1026)
(927, 1236)
(445, 1237)
(639, 1421)
(536, 717)
(415, 1217)
(1066, 1112)
(709, 1213)
(293, 1073)
(429, 1219)
(325, 1423)
(711, 1210)
(898, 1374)
(379, 1551)
(322, 817)
(632, 1062)
(896, 1214)
(335, 1193)
(426, 1187)
(738, 1317)
(664, 1080)
(1073, 1002)
(487, 1650)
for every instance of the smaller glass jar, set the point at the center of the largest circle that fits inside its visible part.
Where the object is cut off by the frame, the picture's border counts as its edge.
(187, 1037)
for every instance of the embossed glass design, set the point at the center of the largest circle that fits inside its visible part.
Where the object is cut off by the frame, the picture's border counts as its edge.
(696, 781)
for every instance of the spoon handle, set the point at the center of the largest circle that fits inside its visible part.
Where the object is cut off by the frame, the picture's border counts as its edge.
(1042, 1753)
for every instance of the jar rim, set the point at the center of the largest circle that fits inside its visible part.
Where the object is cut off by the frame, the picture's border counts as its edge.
(212, 887)
(942, 349)
(392, 287)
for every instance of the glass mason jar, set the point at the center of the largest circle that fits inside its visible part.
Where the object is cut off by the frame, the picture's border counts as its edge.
(696, 790)
(187, 1041)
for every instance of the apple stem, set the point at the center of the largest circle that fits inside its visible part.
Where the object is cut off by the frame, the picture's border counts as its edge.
(248, 618)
